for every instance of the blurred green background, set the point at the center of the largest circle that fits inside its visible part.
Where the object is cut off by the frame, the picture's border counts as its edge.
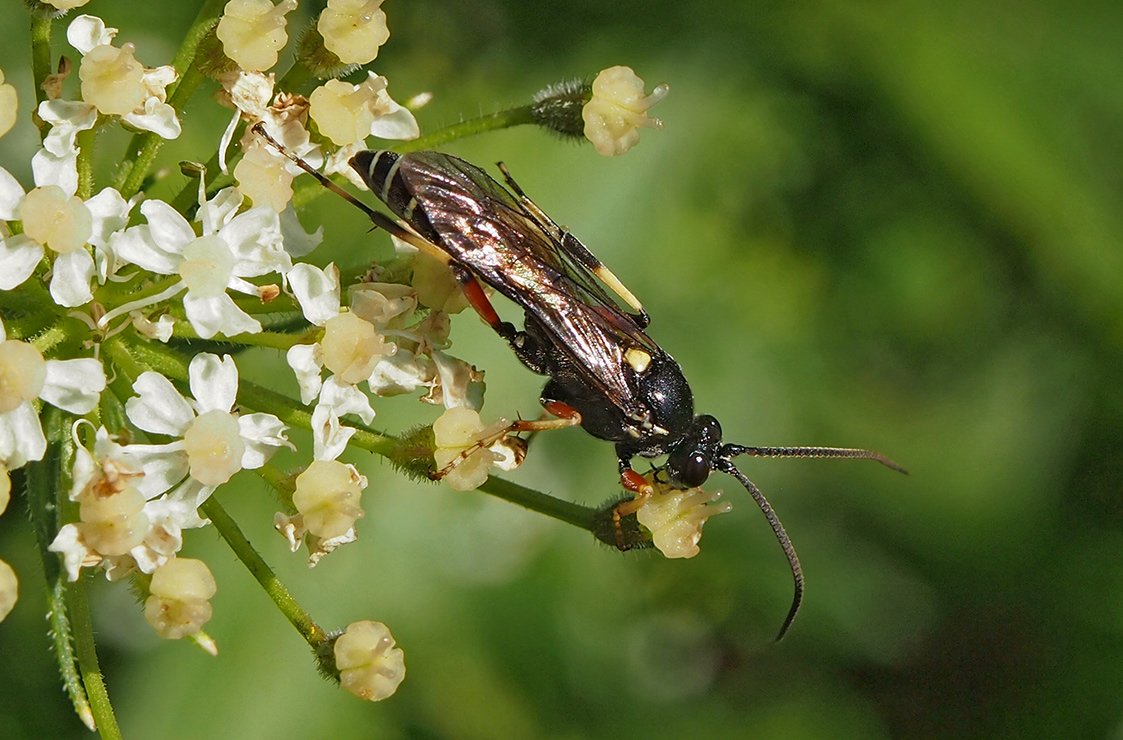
(892, 225)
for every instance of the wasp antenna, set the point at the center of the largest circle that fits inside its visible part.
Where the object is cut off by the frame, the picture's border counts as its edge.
(843, 452)
(726, 466)
(375, 216)
(380, 220)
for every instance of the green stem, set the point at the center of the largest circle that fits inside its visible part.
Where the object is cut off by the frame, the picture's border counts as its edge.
(79, 608)
(85, 143)
(565, 511)
(471, 127)
(313, 634)
(40, 61)
(58, 623)
(52, 337)
(270, 339)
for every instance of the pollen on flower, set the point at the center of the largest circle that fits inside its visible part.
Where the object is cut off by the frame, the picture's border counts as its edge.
(112, 525)
(179, 600)
(327, 497)
(214, 447)
(9, 105)
(23, 371)
(207, 265)
(343, 112)
(9, 591)
(113, 79)
(618, 109)
(436, 286)
(352, 347)
(263, 176)
(675, 518)
(57, 220)
(353, 29)
(369, 664)
(252, 32)
(458, 435)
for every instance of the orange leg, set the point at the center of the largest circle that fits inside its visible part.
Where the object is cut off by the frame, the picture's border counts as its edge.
(565, 416)
(641, 491)
(478, 300)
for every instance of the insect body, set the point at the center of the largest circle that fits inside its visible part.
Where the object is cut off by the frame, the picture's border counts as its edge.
(605, 373)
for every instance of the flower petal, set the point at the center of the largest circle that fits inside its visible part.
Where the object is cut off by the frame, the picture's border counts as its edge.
(87, 31)
(329, 437)
(296, 240)
(264, 434)
(346, 399)
(21, 437)
(170, 230)
(158, 407)
(164, 466)
(74, 385)
(136, 246)
(305, 363)
(110, 213)
(11, 193)
(70, 278)
(214, 382)
(18, 258)
(210, 315)
(316, 290)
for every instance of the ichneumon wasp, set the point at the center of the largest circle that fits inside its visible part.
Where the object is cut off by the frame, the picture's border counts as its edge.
(605, 373)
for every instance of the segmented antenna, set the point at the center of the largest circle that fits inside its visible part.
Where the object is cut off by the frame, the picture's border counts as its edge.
(726, 466)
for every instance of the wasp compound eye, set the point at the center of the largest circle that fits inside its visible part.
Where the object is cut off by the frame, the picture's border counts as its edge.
(691, 470)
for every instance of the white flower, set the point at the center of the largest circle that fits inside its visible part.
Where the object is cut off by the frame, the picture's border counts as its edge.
(675, 517)
(115, 83)
(618, 109)
(353, 29)
(349, 348)
(211, 443)
(264, 174)
(57, 220)
(370, 666)
(57, 162)
(71, 385)
(232, 248)
(347, 113)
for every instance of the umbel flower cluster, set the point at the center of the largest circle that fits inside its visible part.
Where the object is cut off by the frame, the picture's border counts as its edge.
(123, 316)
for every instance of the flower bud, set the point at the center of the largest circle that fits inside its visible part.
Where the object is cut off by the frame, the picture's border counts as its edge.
(327, 497)
(252, 32)
(9, 106)
(352, 347)
(353, 29)
(675, 517)
(618, 109)
(370, 666)
(179, 600)
(9, 593)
